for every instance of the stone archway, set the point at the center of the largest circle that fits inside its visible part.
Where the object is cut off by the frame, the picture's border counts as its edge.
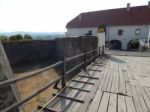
(116, 44)
(133, 44)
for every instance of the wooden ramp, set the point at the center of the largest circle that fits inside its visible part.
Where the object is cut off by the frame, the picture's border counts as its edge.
(114, 84)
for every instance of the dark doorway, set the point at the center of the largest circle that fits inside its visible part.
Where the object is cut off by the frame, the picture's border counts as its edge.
(133, 44)
(116, 44)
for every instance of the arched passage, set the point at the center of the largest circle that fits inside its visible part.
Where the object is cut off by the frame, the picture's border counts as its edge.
(133, 44)
(116, 44)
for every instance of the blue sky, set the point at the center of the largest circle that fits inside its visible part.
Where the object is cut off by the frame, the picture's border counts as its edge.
(50, 15)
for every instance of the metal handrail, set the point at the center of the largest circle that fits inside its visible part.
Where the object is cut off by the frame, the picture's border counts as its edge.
(14, 80)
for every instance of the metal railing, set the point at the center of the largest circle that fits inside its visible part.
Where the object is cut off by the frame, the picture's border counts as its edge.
(96, 52)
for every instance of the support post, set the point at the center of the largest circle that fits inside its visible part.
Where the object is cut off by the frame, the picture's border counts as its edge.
(85, 60)
(99, 51)
(93, 56)
(63, 83)
(95, 53)
(103, 50)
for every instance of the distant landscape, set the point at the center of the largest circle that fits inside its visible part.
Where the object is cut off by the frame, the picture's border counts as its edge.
(35, 35)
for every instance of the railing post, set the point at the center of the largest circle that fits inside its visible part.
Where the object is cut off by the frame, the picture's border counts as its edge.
(103, 50)
(99, 51)
(94, 55)
(63, 83)
(85, 60)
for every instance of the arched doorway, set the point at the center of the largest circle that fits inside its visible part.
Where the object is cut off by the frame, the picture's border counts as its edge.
(133, 44)
(116, 44)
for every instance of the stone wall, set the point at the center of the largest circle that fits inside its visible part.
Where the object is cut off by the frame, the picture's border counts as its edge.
(42, 53)
(8, 94)
(24, 55)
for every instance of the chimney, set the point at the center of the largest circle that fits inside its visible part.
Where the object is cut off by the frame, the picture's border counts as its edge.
(128, 6)
(148, 4)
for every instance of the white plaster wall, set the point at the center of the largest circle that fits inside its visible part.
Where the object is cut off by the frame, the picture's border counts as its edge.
(112, 33)
(128, 34)
(81, 31)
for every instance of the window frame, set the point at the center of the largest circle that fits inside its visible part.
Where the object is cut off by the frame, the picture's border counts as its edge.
(137, 31)
(120, 32)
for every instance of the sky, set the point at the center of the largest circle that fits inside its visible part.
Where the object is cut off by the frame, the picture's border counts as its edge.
(50, 15)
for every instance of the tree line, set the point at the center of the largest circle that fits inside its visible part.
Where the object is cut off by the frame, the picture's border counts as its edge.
(17, 37)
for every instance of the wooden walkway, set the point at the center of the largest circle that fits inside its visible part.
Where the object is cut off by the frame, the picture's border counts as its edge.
(121, 84)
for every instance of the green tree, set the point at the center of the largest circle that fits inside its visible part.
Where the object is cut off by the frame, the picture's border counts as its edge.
(27, 37)
(17, 37)
(3, 38)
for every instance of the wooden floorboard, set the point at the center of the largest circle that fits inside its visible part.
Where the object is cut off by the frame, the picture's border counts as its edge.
(123, 86)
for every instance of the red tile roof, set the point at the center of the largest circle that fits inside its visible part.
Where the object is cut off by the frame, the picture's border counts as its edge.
(139, 15)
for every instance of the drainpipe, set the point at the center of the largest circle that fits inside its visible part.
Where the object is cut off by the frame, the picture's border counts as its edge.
(148, 39)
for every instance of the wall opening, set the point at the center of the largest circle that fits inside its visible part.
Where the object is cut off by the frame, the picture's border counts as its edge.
(133, 44)
(116, 44)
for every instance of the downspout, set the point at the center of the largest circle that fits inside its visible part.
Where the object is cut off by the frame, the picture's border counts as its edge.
(148, 39)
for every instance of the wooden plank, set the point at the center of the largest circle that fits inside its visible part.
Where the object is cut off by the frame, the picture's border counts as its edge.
(147, 90)
(109, 86)
(106, 80)
(64, 104)
(128, 88)
(75, 106)
(90, 97)
(145, 97)
(79, 81)
(130, 104)
(144, 107)
(96, 101)
(104, 102)
(45, 109)
(69, 98)
(122, 88)
(78, 89)
(136, 100)
(112, 103)
(94, 70)
(104, 75)
(121, 104)
(90, 77)
(116, 84)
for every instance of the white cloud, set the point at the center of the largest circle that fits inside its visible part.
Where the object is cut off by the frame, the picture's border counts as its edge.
(50, 15)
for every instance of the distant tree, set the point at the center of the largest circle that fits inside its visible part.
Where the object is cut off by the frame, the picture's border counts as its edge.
(27, 37)
(3, 38)
(17, 37)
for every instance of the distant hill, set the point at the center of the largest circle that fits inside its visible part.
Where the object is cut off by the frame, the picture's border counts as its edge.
(38, 35)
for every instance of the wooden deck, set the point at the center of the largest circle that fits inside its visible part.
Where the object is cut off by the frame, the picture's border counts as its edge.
(123, 86)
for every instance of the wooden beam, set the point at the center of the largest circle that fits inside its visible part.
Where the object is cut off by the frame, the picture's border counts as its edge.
(69, 98)
(82, 82)
(78, 89)
(90, 77)
(94, 70)
(98, 65)
(46, 109)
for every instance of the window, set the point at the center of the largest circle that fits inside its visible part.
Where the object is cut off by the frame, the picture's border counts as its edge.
(89, 33)
(120, 32)
(137, 31)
